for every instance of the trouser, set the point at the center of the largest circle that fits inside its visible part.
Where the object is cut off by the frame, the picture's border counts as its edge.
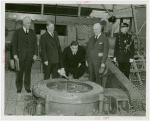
(77, 71)
(51, 68)
(25, 66)
(94, 75)
(125, 68)
(115, 34)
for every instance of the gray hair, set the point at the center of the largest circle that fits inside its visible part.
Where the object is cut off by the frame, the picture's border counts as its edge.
(26, 17)
(97, 24)
(48, 23)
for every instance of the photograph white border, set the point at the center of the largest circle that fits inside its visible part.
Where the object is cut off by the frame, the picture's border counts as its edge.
(3, 117)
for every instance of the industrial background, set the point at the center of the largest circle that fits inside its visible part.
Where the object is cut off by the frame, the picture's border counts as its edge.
(74, 22)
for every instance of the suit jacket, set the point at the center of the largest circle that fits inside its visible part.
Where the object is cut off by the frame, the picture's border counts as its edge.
(72, 61)
(50, 48)
(23, 44)
(120, 52)
(98, 52)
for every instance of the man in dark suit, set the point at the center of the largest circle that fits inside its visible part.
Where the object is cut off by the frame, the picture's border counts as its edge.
(74, 60)
(97, 52)
(51, 52)
(124, 50)
(24, 50)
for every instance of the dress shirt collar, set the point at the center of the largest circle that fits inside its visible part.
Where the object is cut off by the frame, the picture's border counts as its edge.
(25, 29)
(98, 36)
(124, 33)
(51, 33)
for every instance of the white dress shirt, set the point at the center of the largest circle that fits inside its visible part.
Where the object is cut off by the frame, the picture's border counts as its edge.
(25, 29)
(51, 34)
(98, 36)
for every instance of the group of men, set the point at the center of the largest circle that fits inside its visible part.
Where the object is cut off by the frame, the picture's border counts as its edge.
(74, 58)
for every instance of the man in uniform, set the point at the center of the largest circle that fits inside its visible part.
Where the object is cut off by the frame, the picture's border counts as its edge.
(97, 53)
(24, 50)
(124, 50)
(51, 52)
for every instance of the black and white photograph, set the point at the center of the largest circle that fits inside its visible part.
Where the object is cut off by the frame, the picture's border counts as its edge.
(77, 58)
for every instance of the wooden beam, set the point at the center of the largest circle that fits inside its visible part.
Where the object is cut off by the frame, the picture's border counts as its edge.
(122, 13)
(55, 14)
(42, 9)
(79, 10)
(135, 24)
(144, 62)
(134, 17)
(43, 18)
(142, 27)
(137, 73)
(106, 9)
(136, 96)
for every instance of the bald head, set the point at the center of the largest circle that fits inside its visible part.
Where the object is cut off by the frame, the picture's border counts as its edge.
(27, 22)
(97, 28)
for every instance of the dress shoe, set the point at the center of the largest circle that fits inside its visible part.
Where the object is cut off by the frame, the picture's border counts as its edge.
(18, 91)
(28, 90)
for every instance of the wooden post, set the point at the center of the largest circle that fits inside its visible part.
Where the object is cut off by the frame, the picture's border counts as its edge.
(144, 64)
(55, 13)
(137, 73)
(141, 27)
(42, 9)
(134, 17)
(135, 24)
(79, 10)
(106, 9)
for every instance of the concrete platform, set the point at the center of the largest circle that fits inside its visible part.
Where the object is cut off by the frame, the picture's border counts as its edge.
(15, 104)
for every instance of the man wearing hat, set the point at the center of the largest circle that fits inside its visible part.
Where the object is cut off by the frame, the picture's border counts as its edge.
(124, 50)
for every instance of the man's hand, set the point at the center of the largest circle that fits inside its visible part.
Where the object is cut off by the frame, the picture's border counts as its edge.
(115, 60)
(86, 63)
(46, 63)
(34, 57)
(16, 58)
(63, 71)
(131, 60)
(102, 65)
(79, 65)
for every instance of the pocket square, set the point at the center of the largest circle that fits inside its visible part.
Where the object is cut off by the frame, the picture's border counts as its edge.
(100, 54)
(100, 43)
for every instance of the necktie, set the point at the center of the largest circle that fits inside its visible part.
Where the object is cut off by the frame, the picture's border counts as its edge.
(95, 39)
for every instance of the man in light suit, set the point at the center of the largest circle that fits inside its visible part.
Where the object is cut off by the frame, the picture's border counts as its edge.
(24, 50)
(51, 52)
(97, 52)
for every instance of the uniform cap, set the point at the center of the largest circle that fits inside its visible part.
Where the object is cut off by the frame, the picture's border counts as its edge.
(124, 25)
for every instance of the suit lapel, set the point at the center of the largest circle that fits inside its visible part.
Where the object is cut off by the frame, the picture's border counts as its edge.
(30, 33)
(50, 38)
(56, 39)
(99, 40)
(92, 42)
